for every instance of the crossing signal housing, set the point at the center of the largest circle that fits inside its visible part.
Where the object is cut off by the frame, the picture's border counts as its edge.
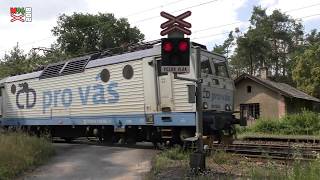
(175, 54)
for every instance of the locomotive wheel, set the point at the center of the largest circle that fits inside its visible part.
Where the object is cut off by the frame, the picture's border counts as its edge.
(68, 139)
(228, 137)
(162, 144)
(158, 142)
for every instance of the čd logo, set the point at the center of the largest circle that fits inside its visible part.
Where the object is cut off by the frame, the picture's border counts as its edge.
(25, 93)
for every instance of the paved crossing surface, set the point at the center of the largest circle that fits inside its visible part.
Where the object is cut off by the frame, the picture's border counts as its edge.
(93, 162)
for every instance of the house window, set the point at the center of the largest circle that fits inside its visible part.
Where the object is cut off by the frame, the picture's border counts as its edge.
(250, 111)
(248, 89)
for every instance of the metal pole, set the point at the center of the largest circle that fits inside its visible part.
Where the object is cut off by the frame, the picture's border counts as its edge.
(197, 159)
(199, 126)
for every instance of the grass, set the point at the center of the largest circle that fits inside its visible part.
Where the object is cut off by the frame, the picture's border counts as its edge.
(297, 171)
(20, 152)
(304, 123)
(170, 157)
(173, 164)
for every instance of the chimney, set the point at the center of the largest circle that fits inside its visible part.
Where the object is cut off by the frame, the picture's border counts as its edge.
(264, 73)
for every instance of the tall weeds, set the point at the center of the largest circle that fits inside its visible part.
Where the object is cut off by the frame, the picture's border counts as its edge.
(19, 152)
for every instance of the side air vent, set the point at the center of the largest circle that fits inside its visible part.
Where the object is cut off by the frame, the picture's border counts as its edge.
(52, 70)
(75, 66)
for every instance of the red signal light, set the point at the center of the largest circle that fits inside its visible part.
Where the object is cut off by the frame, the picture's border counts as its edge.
(183, 46)
(167, 46)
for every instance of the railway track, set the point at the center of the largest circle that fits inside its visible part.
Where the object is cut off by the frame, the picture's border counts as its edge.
(272, 151)
(287, 139)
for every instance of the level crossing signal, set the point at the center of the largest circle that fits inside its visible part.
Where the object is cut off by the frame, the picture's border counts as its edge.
(175, 55)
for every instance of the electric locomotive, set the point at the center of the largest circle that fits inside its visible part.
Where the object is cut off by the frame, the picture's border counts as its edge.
(123, 96)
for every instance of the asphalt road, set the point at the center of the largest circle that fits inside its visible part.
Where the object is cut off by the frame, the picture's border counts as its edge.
(93, 162)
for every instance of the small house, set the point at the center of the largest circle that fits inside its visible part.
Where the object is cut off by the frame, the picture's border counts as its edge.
(260, 97)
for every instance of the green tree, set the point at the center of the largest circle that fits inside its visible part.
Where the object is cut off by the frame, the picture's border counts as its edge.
(14, 63)
(312, 38)
(270, 41)
(306, 72)
(225, 48)
(84, 33)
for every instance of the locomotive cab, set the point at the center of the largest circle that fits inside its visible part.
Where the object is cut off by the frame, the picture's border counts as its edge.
(217, 91)
(218, 96)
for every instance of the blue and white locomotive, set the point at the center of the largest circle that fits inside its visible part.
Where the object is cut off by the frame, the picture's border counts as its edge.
(123, 95)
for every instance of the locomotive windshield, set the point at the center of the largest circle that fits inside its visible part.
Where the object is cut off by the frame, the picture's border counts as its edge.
(206, 67)
(221, 69)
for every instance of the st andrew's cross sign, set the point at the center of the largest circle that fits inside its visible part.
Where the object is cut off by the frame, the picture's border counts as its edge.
(175, 23)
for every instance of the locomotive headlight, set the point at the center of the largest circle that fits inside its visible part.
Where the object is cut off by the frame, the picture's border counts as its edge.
(205, 105)
(228, 107)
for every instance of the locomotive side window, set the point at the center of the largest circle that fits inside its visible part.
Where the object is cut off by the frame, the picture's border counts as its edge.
(105, 75)
(127, 71)
(159, 69)
(221, 69)
(205, 67)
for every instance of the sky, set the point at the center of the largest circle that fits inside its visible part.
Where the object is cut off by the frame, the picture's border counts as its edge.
(211, 19)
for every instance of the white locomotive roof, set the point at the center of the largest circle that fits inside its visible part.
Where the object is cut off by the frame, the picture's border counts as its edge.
(23, 76)
(94, 63)
(124, 57)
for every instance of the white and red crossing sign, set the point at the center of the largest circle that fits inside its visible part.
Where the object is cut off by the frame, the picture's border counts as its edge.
(175, 23)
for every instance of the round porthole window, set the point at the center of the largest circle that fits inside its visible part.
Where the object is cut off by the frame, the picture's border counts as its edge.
(105, 75)
(13, 89)
(127, 72)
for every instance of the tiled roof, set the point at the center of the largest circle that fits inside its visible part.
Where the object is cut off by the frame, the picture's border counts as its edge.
(282, 88)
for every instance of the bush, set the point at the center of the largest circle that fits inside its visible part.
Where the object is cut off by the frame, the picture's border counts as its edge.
(266, 126)
(305, 123)
(19, 152)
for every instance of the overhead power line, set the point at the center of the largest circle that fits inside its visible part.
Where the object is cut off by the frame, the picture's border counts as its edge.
(212, 35)
(197, 5)
(214, 27)
(238, 22)
(193, 6)
(305, 7)
(168, 4)
(227, 32)
(307, 16)
(154, 8)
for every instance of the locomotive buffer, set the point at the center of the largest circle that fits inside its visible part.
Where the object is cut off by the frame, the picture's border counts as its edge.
(175, 58)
